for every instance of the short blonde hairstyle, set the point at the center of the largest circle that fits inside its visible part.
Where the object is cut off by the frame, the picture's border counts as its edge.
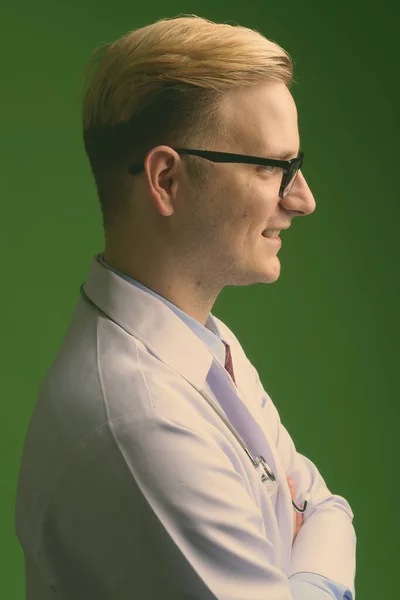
(162, 84)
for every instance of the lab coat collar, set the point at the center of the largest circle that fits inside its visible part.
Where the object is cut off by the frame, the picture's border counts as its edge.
(148, 319)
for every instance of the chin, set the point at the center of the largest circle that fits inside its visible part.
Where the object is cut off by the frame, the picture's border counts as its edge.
(271, 279)
(273, 273)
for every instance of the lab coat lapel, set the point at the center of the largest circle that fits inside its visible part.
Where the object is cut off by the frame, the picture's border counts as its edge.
(248, 418)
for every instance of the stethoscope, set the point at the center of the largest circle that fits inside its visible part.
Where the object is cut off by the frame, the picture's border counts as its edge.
(267, 477)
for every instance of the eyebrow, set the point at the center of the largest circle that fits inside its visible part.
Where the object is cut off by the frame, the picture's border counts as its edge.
(284, 155)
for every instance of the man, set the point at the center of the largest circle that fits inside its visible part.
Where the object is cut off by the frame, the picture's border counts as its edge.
(155, 464)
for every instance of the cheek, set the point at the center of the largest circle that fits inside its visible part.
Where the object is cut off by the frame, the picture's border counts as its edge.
(259, 209)
(239, 206)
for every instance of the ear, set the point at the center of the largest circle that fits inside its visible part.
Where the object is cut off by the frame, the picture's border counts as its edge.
(162, 167)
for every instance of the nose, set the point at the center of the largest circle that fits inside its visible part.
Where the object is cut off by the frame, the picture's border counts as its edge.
(300, 199)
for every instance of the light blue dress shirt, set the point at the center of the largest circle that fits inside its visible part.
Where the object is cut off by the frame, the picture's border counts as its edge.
(304, 586)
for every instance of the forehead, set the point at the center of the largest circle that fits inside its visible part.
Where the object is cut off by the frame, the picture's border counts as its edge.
(262, 120)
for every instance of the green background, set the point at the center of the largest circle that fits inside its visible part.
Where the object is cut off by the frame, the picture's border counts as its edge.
(324, 337)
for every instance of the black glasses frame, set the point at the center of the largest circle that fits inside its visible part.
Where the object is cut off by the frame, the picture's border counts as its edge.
(290, 167)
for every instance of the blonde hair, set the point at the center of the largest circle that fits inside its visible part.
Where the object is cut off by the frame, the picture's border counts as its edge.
(162, 84)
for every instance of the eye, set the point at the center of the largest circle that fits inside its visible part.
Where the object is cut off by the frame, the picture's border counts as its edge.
(268, 169)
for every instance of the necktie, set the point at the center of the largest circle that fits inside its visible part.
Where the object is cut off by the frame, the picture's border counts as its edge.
(228, 362)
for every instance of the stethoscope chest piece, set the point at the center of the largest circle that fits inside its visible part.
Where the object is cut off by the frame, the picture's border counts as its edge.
(267, 477)
(268, 474)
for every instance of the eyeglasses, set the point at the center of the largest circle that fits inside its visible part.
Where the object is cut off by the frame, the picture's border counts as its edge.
(290, 167)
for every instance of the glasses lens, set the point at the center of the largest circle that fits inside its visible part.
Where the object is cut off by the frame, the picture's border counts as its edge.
(291, 183)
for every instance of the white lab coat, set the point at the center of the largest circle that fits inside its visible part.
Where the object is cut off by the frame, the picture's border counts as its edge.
(131, 486)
